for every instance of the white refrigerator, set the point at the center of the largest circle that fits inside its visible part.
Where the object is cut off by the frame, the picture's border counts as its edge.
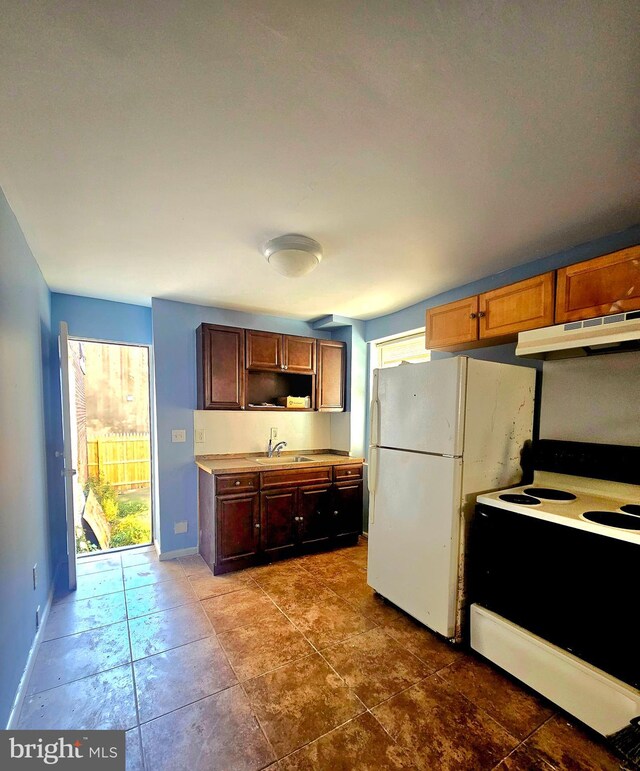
(441, 432)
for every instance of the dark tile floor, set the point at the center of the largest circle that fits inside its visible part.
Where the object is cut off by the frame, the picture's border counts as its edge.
(298, 665)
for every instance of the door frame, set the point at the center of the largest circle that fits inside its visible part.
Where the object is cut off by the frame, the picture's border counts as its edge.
(152, 438)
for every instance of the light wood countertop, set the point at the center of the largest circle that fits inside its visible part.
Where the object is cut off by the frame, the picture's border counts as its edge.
(235, 464)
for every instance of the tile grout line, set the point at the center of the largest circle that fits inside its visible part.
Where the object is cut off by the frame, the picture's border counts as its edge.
(495, 720)
(315, 651)
(133, 678)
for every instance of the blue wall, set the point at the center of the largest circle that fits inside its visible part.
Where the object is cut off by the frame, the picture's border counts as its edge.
(93, 319)
(89, 319)
(174, 344)
(24, 442)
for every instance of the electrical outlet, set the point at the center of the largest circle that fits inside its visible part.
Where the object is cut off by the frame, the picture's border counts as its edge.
(199, 435)
(274, 432)
(178, 435)
(180, 527)
(38, 617)
(35, 576)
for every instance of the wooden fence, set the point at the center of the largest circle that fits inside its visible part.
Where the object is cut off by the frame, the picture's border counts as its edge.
(123, 460)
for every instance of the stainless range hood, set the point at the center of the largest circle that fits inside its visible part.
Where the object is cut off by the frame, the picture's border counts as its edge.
(605, 334)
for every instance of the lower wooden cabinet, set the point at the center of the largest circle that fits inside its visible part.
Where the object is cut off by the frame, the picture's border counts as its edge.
(315, 505)
(237, 528)
(248, 519)
(278, 536)
(347, 500)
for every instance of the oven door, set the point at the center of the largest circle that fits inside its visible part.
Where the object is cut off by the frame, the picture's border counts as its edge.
(575, 589)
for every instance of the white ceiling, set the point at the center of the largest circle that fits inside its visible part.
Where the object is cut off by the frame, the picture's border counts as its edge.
(148, 148)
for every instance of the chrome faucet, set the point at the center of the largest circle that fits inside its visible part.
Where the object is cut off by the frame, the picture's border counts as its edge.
(275, 450)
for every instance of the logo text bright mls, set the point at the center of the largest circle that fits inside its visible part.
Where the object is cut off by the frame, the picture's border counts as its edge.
(52, 752)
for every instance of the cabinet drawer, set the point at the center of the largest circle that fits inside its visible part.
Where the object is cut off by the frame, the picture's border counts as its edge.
(291, 477)
(345, 473)
(236, 483)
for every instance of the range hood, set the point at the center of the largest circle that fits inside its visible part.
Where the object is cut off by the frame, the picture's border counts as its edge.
(605, 334)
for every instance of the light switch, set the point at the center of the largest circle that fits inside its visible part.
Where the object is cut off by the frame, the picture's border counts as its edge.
(180, 527)
(178, 435)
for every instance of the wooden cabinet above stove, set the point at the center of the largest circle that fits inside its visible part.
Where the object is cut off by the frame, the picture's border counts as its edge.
(598, 287)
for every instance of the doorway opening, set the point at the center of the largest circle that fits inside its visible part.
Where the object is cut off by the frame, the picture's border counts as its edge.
(109, 410)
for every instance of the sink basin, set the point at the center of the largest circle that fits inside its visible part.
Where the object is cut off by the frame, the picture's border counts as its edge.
(279, 461)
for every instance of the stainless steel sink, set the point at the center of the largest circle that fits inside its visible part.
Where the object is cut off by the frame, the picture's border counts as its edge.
(279, 461)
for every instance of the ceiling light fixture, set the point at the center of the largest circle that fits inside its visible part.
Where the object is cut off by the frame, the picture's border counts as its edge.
(293, 255)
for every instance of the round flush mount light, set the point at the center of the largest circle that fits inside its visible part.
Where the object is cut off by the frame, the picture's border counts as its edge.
(293, 255)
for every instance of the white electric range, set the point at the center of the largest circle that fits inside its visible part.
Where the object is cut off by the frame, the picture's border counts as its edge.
(611, 509)
(554, 578)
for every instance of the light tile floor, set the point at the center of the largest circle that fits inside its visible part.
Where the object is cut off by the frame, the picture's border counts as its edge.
(297, 665)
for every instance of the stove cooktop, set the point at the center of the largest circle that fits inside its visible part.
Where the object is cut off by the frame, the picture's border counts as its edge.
(606, 508)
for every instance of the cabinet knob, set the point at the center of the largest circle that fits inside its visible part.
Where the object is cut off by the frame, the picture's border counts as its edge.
(335, 513)
(237, 483)
(472, 315)
(257, 524)
(348, 472)
(481, 314)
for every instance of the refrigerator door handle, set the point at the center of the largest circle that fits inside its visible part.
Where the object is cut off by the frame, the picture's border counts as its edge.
(371, 482)
(375, 421)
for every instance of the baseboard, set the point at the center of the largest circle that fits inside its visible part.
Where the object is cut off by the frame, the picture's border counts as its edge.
(171, 555)
(31, 659)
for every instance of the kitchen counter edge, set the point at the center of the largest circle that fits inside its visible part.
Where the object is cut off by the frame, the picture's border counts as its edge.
(235, 465)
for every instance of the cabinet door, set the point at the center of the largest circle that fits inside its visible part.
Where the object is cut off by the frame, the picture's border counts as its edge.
(452, 324)
(331, 377)
(237, 528)
(264, 350)
(278, 531)
(347, 511)
(314, 515)
(511, 309)
(299, 354)
(220, 365)
(607, 284)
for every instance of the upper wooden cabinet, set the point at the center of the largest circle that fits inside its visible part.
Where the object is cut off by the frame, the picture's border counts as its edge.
(249, 369)
(496, 315)
(511, 309)
(264, 350)
(598, 287)
(330, 384)
(220, 367)
(299, 354)
(273, 352)
(605, 285)
(452, 324)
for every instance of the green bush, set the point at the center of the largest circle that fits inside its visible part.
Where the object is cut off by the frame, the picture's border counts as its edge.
(131, 507)
(129, 530)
